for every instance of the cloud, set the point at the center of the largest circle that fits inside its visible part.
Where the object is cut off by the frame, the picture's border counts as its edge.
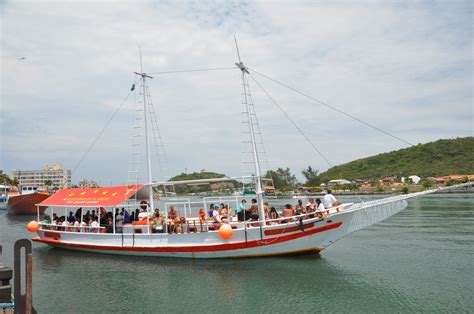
(404, 67)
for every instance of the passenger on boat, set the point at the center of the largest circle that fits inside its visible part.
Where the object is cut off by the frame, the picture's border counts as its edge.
(71, 218)
(118, 222)
(78, 213)
(216, 216)
(266, 209)
(110, 227)
(254, 210)
(65, 224)
(94, 225)
(211, 209)
(287, 213)
(103, 213)
(159, 223)
(87, 216)
(55, 219)
(224, 214)
(77, 224)
(173, 213)
(83, 226)
(320, 208)
(330, 201)
(241, 210)
(273, 214)
(126, 216)
(202, 215)
(311, 205)
(299, 209)
(173, 216)
(156, 213)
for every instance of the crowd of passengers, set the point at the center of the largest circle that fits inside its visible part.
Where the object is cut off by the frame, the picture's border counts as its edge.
(90, 222)
(217, 214)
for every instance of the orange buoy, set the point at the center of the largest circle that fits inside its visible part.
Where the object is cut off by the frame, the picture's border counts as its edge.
(225, 231)
(32, 226)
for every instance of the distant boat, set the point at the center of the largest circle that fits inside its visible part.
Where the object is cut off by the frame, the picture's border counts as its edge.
(4, 196)
(25, 202)
(6, 192)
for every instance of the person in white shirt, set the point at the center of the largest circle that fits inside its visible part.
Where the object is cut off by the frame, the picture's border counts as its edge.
(76, 226)
(215, 214)
(319, 206)
(330, 201)
(94, 226)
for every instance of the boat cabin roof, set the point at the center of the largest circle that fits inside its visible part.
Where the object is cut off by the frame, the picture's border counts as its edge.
(94, 197)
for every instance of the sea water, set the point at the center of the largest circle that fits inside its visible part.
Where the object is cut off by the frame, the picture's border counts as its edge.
(420, 260)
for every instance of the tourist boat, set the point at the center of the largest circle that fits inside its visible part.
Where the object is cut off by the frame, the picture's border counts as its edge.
(305, 233)
(25, 202)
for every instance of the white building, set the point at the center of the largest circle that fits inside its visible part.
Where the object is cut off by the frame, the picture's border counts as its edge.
(338, 182)
(415, 179)
(53, 174)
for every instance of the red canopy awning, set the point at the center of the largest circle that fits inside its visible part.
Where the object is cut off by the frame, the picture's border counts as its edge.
(105, 196)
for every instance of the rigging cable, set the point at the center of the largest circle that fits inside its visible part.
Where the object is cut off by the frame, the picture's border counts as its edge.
(105, 126)
(193, 70)
(333, 108)
(291, 120)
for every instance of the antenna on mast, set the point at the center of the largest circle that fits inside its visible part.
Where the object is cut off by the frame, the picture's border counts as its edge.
(240, 65)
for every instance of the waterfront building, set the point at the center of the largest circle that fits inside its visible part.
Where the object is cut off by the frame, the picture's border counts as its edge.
(87, 184)
(338, 182)
(50, 176)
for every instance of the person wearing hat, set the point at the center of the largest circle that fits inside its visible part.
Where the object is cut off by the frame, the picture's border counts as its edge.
(216, 214)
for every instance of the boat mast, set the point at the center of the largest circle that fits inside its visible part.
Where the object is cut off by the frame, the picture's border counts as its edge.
(258, 175)
(144, 77)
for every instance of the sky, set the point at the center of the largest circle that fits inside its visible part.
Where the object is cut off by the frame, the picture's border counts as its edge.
(403, 66)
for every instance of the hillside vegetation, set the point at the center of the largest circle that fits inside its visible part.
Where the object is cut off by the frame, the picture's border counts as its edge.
(203, 187)
(440, 158)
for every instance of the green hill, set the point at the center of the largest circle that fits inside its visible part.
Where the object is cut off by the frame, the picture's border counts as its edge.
(202, 187)
(197, 176)
(440, 158)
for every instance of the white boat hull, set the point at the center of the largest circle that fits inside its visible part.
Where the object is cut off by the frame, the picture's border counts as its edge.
(280, 239)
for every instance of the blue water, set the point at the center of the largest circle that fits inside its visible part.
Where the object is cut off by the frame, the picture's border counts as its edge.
(420, 260)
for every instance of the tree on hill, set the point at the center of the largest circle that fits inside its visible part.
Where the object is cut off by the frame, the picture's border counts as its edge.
(283, 179)
(197, 188)
(312, 176)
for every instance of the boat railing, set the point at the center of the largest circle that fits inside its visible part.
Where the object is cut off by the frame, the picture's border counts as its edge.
(194, 224)
(187, 205)
(85, 229)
